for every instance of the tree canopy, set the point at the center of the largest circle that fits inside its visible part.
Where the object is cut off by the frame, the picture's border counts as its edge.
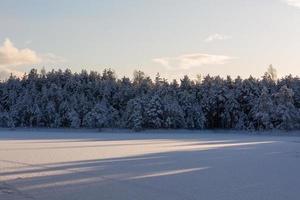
(93, 100)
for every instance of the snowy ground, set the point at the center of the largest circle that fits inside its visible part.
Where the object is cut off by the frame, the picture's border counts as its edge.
(57, 164)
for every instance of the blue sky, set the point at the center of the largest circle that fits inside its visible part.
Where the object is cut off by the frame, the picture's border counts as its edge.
(173, 37)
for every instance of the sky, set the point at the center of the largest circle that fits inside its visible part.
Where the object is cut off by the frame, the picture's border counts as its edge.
(172, 37)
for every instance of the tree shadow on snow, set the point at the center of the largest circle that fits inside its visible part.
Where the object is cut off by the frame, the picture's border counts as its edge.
(131, 177)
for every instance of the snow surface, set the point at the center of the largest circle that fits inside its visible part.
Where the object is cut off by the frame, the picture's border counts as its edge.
(86, 164)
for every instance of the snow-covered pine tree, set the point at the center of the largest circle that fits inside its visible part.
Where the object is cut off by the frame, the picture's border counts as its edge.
(232, 111)
(6, 120)
(154, 112)
(287, 117)
(74, 119)
(193, 113)
(133, 116)
(173, 114)
(262, 111)
(51, 117)
(103, 115)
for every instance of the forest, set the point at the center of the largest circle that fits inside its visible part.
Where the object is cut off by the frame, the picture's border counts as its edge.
(101, 100)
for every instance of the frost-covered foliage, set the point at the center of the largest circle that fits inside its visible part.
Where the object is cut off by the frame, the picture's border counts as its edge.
(262, 111)
(93, 100)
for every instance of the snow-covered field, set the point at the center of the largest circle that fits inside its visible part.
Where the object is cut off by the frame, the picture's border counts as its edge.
(71, 165)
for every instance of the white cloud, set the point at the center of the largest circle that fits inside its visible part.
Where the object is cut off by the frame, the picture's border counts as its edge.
(12, 57)
(295, 3)
(216, 36)
(188, 61)
(51, 58)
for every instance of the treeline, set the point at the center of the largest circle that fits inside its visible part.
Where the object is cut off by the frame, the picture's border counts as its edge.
(93, 100)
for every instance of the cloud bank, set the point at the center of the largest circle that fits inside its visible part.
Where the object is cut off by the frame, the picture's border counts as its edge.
(188, 61)
(216, 36)
(11, 57)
